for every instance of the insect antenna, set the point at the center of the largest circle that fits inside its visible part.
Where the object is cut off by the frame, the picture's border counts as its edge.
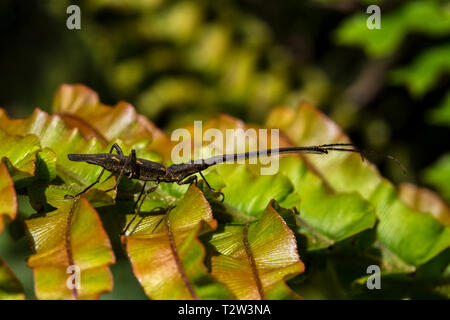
(363, 153)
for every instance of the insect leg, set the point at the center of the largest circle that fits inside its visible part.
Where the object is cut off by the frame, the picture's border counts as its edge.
(136, 213)
(209, 187)
(140, 195)
(116, 147)
(131, 159)
(193, 179)
(188, 180)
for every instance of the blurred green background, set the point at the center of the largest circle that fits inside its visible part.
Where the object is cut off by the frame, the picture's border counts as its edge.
(177, 61)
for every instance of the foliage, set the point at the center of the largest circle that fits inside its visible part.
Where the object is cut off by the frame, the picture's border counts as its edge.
(407, 18)
(424, 71)
(438, 175)
(308, 231)
(10, 287)
(198, 61)
(190, 59)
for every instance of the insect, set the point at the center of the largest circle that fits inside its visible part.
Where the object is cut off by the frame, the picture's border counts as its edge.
(185, 173)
